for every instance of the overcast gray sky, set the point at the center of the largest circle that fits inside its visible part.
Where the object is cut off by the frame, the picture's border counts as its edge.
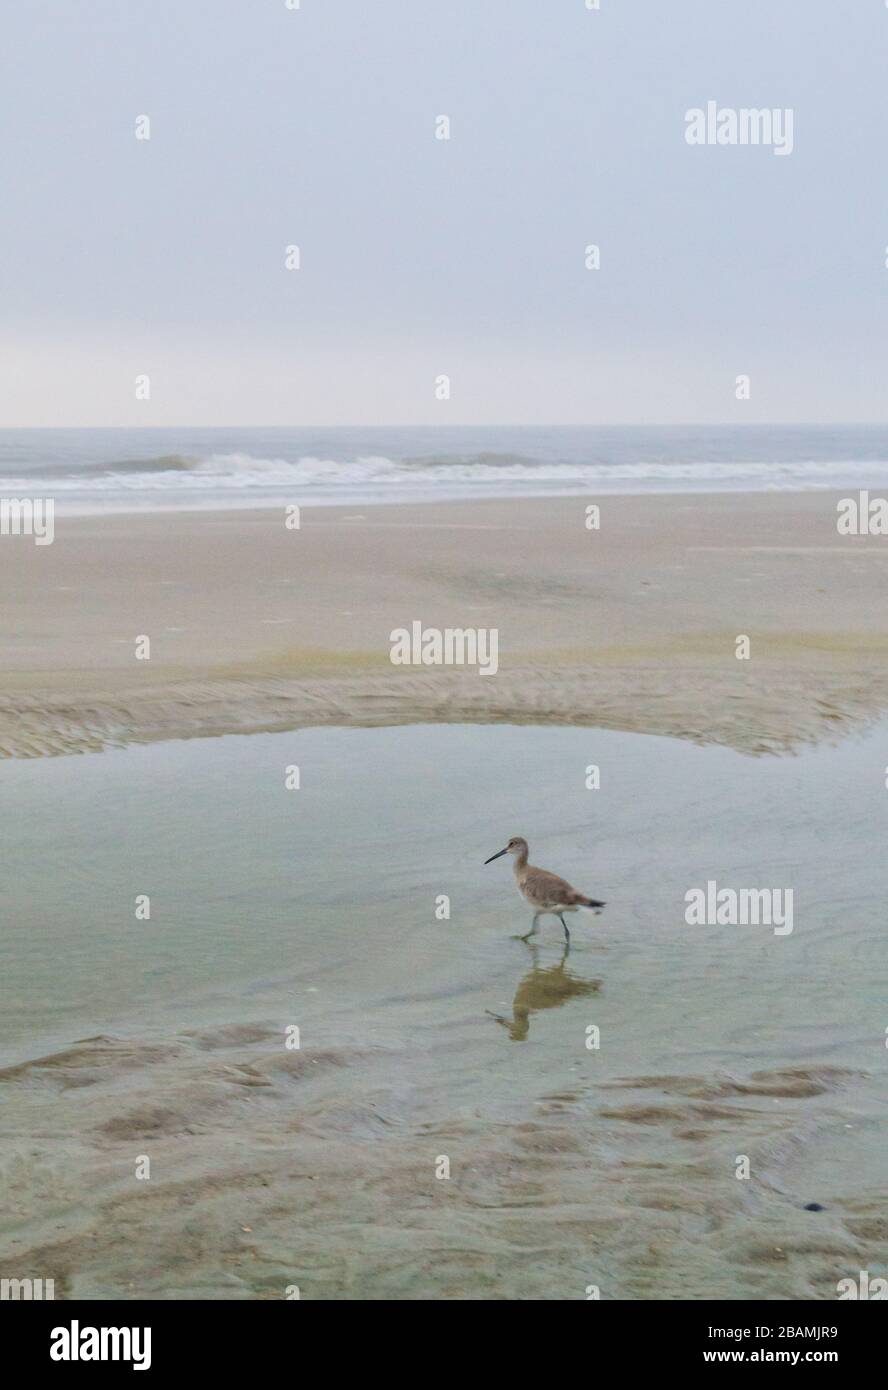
(316, 127)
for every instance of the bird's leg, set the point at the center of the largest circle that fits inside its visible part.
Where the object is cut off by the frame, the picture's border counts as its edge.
(534, 927)
(564, 924)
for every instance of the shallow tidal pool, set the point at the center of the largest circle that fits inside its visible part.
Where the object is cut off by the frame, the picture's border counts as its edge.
(594, 1105)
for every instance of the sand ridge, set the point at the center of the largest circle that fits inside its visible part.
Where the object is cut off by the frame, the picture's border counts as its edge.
(254, 627)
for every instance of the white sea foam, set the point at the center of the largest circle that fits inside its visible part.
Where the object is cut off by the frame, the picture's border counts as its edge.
(246, 470)
(80, 479)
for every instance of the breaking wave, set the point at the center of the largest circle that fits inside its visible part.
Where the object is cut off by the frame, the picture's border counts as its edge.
(82, 473)
(242, 471)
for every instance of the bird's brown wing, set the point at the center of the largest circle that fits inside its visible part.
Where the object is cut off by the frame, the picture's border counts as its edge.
(548, 889)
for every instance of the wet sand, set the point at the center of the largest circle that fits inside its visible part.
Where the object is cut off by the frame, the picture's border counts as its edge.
(633, 627)
(317, 1169)
(421, 1038)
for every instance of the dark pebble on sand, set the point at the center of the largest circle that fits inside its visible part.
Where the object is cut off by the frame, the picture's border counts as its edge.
(813, 1206)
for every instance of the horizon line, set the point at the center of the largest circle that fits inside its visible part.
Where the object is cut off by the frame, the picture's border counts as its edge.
(498, 425)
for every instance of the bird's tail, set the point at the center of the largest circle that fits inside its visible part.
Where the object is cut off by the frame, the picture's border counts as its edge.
(590, 902)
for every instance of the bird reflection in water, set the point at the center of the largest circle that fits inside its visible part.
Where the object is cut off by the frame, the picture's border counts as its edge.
(540, 989)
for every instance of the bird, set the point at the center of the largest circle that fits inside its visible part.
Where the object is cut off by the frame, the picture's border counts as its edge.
(547, 893)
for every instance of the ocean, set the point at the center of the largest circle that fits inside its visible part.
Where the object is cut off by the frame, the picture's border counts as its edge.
(92, 471)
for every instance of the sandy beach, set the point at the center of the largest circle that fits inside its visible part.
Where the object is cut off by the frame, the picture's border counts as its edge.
(257, 627)
(166, 1039)
(438, 442)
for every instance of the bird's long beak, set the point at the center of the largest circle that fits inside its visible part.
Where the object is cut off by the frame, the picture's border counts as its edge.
(496, 856)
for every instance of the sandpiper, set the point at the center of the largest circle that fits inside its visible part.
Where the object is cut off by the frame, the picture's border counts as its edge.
(547, 893)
